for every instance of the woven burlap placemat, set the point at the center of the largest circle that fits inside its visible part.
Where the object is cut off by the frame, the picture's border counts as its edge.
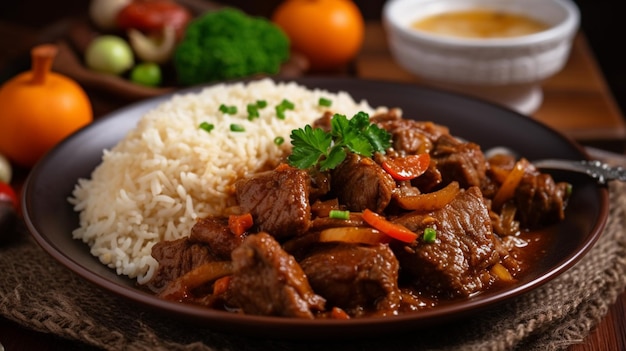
(40, 294)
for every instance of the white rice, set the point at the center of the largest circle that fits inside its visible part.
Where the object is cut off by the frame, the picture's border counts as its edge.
(167, 172)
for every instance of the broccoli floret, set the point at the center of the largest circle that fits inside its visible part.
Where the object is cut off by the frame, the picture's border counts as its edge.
(228, 44)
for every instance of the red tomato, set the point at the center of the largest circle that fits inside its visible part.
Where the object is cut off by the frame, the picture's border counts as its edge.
(407, 167)
(8, 194)
(151, 16)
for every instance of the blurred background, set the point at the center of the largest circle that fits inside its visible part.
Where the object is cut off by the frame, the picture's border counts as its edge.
(599, 21)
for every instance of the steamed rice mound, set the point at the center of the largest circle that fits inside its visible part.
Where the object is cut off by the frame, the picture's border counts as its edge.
(167, 172)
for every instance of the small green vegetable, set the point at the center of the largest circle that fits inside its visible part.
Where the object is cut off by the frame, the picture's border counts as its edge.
(282, 107)
(279, 140)
(569, 189)
(206, 126)
(261, 103)
(253, 111)
(338, 214)
(237, 128)
(146, 73)
(109, 54)
(228, 44)
(325, 102)
(315, 147)
(430, 235)
(229, 110)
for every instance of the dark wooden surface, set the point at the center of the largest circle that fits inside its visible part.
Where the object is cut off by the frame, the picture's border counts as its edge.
(578, 101)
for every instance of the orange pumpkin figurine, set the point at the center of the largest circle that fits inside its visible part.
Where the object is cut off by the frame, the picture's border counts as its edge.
(39, 108)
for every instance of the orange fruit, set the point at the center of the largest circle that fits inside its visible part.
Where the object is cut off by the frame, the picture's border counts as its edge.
(38, 109)
(328, 32)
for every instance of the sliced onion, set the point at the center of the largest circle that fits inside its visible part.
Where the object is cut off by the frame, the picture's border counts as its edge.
(430, 201)
(357, 235)
(501, 272)
(507, 189)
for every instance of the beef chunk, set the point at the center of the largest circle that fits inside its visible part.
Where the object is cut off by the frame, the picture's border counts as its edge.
(324, 121)
(354, 277)
(278, 201)
(360, 183)
(409, 136)
(458, 262)
(460, 161)
(540, 200)
(268, 281)
(215, 233)
(176, 258)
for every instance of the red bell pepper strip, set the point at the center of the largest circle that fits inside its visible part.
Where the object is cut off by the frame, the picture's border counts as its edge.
(238, 224)
(406, 167)
(394, 230)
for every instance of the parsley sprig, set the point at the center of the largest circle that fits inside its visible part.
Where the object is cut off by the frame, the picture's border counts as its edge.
(316, 147)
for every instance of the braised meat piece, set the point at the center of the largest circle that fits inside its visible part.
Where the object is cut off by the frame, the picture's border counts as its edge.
(410, 136)
(360, 183)
(355, 278)
(268, 281)
(324, 121)
(460, 161)
(458, 262)
(176, 258)
(214, 232)
(278, 201)
(540, 200)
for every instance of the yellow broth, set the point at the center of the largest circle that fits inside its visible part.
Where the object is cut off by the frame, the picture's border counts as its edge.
(480, 24)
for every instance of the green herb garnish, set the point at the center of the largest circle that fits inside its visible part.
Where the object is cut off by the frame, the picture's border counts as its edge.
(279, 140)
(282, 107)
(229, 110)
(430, 235)
(339, 214)
(253, 111)
(324, 102)
(237, 128)
(206, 126)
(315, 147)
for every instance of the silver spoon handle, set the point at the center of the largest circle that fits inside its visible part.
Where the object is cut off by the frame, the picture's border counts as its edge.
(598, 170)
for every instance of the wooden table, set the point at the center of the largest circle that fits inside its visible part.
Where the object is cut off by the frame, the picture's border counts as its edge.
(577, 102)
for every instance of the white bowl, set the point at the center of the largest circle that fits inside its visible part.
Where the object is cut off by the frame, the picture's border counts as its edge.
(505, 70)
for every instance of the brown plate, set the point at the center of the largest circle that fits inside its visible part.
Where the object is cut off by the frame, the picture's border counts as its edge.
(51, 219)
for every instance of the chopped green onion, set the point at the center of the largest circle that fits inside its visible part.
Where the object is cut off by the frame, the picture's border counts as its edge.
(339, 214)
(324, 102)
(569, 189)
(261, 103)
(229, 110)
(279, 140)
(237, 128)
(253, 111)
(282, 107)
(288, 104)
(280, 112)
(206, 126)
(430, 234)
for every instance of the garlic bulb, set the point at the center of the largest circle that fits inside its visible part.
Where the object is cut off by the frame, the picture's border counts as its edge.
(104, 12)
